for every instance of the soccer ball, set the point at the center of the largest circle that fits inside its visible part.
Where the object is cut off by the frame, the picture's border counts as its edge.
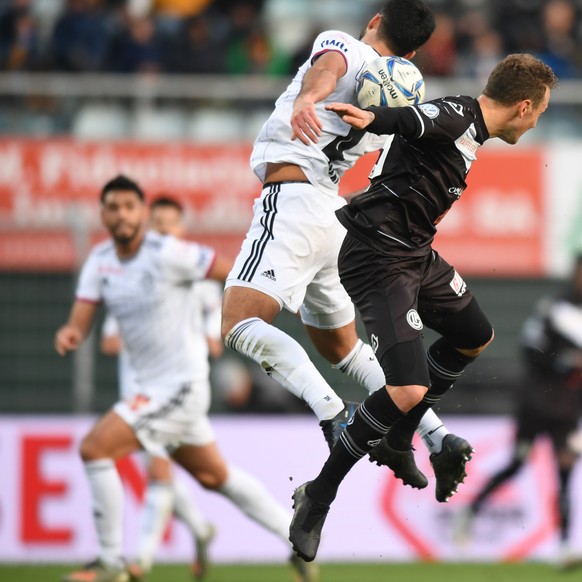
(391, 82)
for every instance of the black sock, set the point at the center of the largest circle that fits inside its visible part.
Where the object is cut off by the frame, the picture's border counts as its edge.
(370, 423)
(445, 366)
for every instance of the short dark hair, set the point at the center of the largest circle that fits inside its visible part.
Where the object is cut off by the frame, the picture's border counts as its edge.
(122, 182)
(406, 25)
(165, 201)
(517, 77)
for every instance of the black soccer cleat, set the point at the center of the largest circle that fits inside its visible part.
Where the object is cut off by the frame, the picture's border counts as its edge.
(401, 463)
(449, 466)
(307, 523)
(332, 429)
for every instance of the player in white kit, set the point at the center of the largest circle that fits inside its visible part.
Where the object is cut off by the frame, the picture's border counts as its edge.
(164, 493)
(144, 279)
(289, 257)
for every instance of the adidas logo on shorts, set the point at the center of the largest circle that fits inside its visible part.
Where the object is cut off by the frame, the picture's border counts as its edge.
(270, 274)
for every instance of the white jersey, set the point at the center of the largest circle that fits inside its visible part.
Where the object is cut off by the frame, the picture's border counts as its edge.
(339, 146)
(150, 295)
(125, 373)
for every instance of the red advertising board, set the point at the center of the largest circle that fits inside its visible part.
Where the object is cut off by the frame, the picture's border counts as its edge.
(49, 191)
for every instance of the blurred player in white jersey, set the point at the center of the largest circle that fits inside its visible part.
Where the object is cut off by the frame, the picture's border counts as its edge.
(166, 217)
(145, 279)
(289, 257)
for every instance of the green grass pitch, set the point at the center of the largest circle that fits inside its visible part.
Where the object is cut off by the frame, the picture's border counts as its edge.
(349, 572)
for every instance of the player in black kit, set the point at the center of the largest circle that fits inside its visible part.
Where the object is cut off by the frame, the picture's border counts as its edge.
(549, 403)
(397, 280)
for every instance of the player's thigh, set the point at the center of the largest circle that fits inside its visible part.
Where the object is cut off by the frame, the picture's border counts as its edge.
(110, 437)
(385, 294)
(204, 462)
(286, 243)
(447, 305)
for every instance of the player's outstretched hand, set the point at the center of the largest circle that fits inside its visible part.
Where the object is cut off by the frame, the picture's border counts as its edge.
(305, 124)
(352, 115)
(67, 338)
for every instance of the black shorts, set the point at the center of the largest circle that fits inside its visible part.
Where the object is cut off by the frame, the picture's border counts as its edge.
(533, 423)
(396, 298)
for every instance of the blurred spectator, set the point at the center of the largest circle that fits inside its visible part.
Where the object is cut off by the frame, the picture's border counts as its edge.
(437, 58)
(137, 49)
(197, 49)
(81, 37)
(256, 54)
(19, 42)
(170, 15)
(561, 48)
(303, 52)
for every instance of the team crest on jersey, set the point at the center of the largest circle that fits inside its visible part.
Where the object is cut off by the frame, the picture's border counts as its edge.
(458, 285)
(414, 320)
(430, 110)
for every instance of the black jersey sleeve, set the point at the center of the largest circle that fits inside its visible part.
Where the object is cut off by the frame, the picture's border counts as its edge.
(390, 120)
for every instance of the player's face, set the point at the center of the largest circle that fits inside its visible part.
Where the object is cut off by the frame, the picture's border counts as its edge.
(167, 220)
(527, 121)
(124, 215)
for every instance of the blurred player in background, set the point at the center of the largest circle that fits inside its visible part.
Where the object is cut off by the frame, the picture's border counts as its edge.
(289, 257)
(166, 217)
(549, 403)
(397, 280)
(145, 280)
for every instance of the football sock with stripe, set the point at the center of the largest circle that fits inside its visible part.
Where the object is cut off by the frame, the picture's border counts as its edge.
(445, 365)
(107, 503)
(283, 359)
(155, 515)
(370, 423)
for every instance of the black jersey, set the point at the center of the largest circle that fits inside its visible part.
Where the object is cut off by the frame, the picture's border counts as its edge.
(419, 176)
(552, 344)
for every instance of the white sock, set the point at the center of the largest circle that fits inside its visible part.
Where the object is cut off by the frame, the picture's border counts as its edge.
(361, 365)
(432, 431)
(107, 503)
(253, 499)
(283, 359)
(155, 514)
(187, 511)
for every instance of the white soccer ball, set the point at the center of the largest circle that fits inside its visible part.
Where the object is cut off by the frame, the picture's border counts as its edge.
(391, 82)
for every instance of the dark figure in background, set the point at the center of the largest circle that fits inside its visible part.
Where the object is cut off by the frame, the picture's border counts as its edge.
(549, 403)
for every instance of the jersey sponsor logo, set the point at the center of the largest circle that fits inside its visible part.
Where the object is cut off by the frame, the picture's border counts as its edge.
(414, 320)
(430, 110)
(458, 285)
(138, 402)
(338, 44)
(374, 342)
(269, 274)
(456, 190)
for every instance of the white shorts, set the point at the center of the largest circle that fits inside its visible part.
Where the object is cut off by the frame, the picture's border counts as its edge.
(163, 424)
(290, 253)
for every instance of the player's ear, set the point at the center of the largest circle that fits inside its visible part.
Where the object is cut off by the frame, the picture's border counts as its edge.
(524, 106)
(409, 56)
(374, 22)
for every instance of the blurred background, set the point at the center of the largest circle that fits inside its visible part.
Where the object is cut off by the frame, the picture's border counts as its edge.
(173, 92)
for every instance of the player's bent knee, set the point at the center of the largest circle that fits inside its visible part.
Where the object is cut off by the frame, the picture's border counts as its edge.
(89, 449)
(407, 397)
(211, 480)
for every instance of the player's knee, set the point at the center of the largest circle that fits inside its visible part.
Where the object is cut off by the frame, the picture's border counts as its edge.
(407, 397)
(90, 449)
(474, 352)
(211, 480)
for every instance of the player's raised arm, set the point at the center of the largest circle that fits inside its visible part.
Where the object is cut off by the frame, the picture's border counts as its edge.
(220, 268)
(352, 115)
(71, 335)
(319, 82)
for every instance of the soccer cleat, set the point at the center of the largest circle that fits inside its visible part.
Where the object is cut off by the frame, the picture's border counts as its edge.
(332, 429)
(449, 466)
(98, 571)
(307, 523)
(202, 562)
(137, 572)
(304, 571)
(401, 463)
